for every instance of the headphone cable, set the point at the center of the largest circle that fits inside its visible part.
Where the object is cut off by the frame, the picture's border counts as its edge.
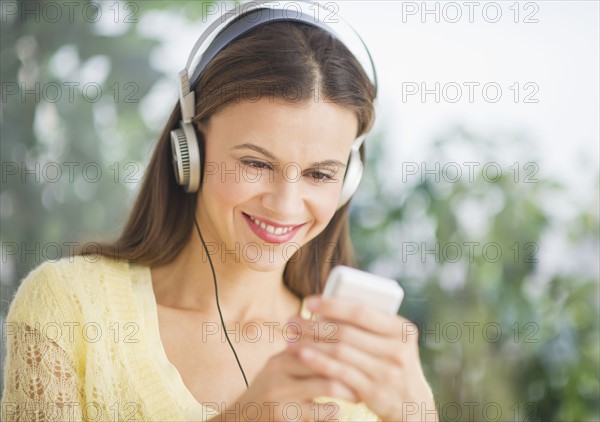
(218, 306)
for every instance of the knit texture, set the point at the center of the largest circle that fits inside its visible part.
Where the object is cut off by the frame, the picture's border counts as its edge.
(79, 347)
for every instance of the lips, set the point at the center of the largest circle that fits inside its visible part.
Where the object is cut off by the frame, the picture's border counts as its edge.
(271, 232)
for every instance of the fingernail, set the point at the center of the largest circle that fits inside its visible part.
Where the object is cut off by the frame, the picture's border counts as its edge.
(313, 303)
(307, 353)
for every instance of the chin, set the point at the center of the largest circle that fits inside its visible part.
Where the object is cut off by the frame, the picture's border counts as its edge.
(266, 265)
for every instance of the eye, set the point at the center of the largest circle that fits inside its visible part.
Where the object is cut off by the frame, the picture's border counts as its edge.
(256, 164)
(321, 177)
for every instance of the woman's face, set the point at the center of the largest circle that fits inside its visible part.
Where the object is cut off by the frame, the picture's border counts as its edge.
(273, 177)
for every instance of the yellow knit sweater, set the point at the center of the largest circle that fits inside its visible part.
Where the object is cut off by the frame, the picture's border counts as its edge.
(83, 343)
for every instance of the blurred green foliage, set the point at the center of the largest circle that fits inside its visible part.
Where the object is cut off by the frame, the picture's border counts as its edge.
(504, 336)
(509, 337)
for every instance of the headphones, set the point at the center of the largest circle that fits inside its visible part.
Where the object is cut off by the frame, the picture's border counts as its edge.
(227, 28)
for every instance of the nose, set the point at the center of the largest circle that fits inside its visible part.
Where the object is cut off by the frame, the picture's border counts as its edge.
(284, 197)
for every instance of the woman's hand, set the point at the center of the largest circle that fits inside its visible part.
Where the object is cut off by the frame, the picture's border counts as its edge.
(373, 354)
(284, 390)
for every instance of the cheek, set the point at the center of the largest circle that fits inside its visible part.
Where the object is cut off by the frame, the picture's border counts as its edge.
(225, 183)
(324, 203)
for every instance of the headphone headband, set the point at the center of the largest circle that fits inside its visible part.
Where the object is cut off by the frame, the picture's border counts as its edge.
(248, 15)
(227, 28)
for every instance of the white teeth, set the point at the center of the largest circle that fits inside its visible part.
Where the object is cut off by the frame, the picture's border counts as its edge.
(270, 229)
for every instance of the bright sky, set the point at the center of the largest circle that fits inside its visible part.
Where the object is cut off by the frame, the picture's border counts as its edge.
(559, 54)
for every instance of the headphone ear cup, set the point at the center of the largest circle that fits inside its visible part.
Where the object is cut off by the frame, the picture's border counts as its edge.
(186, 157)
(180, 157)
(352, 178)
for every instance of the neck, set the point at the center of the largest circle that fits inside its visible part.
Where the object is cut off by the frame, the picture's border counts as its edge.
(244, 293)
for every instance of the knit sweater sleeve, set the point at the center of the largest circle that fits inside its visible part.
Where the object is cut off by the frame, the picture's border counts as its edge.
(41, 380)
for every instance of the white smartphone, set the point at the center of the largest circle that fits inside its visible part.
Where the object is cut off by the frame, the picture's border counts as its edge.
(379, 292)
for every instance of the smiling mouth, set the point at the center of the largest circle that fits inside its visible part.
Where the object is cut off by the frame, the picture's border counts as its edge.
(277, 230)
(271, 232)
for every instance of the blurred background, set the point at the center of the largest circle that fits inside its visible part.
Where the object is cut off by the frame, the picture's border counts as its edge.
(481, 193)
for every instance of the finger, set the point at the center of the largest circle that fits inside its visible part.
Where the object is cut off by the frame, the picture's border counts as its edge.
(290, 365)
(359, 382)
(355, 313)
(311, 383)
(323, 331)
(333, 332)
(316, 386)
(376, 369)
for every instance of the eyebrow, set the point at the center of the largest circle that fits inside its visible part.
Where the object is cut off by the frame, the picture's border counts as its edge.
(269, 155)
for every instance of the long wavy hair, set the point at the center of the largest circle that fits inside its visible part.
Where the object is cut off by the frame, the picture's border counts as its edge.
(269, 60)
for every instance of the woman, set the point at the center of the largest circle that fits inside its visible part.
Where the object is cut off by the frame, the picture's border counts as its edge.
(134, 330)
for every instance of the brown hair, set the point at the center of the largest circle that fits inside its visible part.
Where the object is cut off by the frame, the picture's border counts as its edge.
(285, 60)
